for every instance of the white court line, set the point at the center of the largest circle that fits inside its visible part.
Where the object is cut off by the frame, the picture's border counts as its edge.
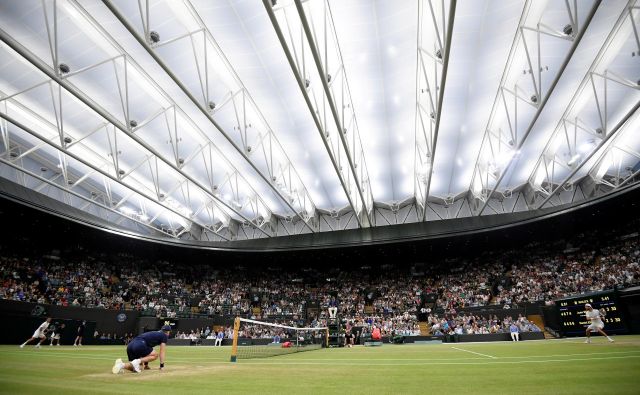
(473, 352)
(321, 360)
(541, 341)
(110, 357)
(496, 342)
(406, 362)
(459, 359)
(480, 362)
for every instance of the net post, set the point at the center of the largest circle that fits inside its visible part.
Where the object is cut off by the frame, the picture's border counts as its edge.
(234, 347)
(326, 339)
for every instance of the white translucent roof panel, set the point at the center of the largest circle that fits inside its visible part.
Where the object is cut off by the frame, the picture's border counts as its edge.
(479, 51)
(133, 104)
(378, 41)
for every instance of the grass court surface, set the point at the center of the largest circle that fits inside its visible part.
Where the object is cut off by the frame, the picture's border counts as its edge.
(565, 366)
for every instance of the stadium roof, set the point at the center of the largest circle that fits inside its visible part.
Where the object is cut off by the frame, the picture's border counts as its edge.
(216, 121)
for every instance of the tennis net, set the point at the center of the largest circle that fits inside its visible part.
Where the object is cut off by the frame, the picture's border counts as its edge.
(258, 339)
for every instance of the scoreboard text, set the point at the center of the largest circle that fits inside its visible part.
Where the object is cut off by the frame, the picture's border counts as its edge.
(574, 321)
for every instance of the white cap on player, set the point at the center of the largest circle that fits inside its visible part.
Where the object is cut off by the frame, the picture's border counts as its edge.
(587, 305)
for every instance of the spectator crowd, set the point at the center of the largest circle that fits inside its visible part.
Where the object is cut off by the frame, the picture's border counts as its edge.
(390, 297)
(470, 324)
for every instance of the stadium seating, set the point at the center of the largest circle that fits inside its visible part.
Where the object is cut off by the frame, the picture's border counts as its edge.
(398, 301)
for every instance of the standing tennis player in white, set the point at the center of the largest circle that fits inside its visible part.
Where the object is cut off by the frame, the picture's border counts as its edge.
(39, 334)
(594, 316)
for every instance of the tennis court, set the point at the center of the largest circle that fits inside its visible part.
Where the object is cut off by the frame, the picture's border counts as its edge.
(536, 367)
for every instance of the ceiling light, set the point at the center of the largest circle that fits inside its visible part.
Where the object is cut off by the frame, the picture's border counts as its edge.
(154, 37)
(574, 159)
(64, 68)
(587, 146)
(568, 29)
(604, 166)
(477, 186)
(127, 210)
(540, 175)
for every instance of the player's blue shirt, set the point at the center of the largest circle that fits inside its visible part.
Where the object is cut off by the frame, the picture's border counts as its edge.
(220, 335)
(153, 338)
(513, 328)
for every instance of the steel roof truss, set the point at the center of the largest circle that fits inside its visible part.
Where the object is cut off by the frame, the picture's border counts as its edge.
(431, 73)
(572, 159)
(204, 63)
(533, 49)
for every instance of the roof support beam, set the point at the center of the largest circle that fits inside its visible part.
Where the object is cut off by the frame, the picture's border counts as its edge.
(61, 81)
(586, 118)
(300, 202)
(604, 141)
(538, 100)
(63, 166)
(88, 201)
(337, 152)
(353, 150)
(439, 57)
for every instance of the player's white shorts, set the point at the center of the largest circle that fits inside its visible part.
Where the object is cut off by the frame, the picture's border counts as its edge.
(37, 334)
(594, 327)
(56, 336)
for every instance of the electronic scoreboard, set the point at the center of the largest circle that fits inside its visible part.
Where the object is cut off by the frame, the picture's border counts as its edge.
(572, 313)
